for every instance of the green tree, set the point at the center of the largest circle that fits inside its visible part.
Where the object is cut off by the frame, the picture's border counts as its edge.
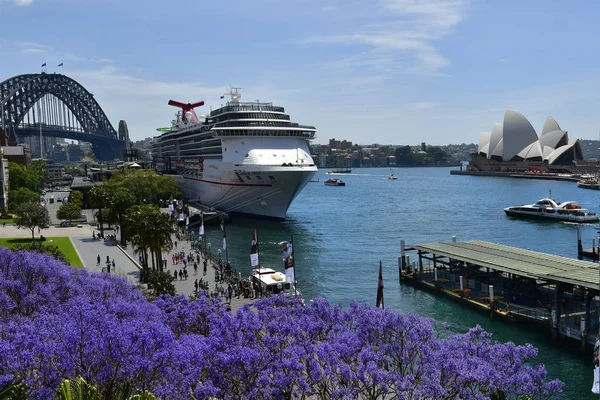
(19, 177)
(147, 186)
(39, 169)
(119, 200)
(32, 215)
(76, 197)
(18, 196)
(69, 211)
(161, 283)
(404, 156)
(151, 230)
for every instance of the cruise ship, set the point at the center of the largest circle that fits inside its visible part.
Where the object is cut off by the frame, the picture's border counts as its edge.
(244, 157)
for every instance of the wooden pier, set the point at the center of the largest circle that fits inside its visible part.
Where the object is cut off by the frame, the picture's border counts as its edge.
(520, 286)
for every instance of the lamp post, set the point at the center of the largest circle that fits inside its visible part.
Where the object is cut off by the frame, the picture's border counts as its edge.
(219, 251)
(209, 250)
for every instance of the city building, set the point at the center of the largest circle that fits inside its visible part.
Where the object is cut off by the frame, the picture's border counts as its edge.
(55, 171)
(17, 153)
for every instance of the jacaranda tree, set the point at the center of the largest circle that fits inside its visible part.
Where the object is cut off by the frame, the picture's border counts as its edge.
(60, 323)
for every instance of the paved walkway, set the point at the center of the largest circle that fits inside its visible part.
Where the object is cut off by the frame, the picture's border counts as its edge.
(186, 286)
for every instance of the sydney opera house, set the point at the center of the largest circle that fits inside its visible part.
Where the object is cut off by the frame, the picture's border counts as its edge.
(515, 145)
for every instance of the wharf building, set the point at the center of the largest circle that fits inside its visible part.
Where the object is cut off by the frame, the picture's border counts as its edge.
(514, 146)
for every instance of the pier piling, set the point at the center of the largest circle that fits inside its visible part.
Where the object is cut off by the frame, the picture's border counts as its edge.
(579, 246)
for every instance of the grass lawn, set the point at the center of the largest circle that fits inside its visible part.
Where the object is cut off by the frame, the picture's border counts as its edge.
(64, 244)
(7, 220)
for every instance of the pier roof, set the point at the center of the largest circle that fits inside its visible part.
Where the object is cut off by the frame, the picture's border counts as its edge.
(527, 263)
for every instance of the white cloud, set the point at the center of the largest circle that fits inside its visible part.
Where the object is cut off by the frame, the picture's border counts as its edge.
(423, 105)
(19, 2)
(32, 50)
(141, 102)
(406, 31)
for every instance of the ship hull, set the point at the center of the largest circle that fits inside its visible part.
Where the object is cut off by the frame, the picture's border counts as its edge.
(265, 191)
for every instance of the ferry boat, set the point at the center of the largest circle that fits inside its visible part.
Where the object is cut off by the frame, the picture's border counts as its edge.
(340, 171)
(551, 209)
(244, 157)
(589, 182)
(335, 182)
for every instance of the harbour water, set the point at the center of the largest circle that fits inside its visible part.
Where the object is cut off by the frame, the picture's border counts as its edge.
(341, 233)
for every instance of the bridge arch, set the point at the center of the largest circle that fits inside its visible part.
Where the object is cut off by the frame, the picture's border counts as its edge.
(19, 94)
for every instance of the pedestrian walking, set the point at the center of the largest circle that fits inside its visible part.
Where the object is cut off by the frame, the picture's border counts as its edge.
(107, 259)
(196, 285)
(230, 292)
(195, 269)
(3, 224)
(175, 275)
(176, 244)
(173, 258)
(185, 274)
(98, 260)
(108, 267)
(164, 262)
(205, 265)
(180, 275)
(113, 263)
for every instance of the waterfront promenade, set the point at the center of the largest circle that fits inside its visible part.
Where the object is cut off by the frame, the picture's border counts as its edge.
(126, 265)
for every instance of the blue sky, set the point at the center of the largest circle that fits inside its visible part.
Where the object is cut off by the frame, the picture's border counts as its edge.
(379, 71)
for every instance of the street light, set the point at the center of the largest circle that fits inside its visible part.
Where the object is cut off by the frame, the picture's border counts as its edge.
(208, 250)
(219, 251)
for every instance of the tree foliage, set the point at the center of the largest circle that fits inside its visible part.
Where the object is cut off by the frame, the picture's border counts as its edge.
(146, 186)
(40, 247)
(19, 177)
(57, 323)
(76, 197)
(429, 155)
(32, 215)
(151, 230)
(21, 195)
(69, 211)
(161, 283)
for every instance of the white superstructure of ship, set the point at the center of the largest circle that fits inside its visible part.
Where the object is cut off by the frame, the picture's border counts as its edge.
(245, 157)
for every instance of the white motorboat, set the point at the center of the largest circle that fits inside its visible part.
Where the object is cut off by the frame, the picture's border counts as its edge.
(392, 176)
(273, 283)
(551, 209)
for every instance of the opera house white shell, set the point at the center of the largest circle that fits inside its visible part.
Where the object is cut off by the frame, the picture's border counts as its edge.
(516, 140)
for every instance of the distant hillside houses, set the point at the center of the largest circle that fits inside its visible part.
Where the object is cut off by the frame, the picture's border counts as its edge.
(345, 154)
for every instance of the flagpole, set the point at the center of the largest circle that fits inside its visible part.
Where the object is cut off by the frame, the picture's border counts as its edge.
(225, 235)
(294, 264)
(257, 247)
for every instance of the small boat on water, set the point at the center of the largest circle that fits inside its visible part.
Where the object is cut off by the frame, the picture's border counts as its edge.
(340, 171)
(335, 182)
(392, 176)
(589, 182)
(552, 210)
(273, 283)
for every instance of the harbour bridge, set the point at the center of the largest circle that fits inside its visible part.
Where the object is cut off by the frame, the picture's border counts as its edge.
(59, 107)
